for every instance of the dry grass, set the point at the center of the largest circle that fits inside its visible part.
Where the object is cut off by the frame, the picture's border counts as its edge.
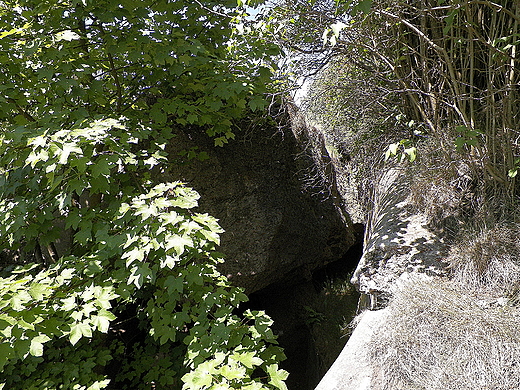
(439, 336)
(461, 333)
(487, 260)
(437, 197)
(442, 185)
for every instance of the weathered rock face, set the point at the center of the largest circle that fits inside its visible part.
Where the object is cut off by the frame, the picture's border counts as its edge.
(274, 231)
(397, 241)
(352, 369)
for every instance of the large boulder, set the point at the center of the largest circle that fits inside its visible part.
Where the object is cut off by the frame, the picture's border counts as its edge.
(353, 369)
(398, 241)
(274, 231)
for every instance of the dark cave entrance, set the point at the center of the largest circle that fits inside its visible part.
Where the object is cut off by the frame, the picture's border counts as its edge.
(311, 317)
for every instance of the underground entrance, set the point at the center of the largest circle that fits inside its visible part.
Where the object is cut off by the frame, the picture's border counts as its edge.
(312, 317)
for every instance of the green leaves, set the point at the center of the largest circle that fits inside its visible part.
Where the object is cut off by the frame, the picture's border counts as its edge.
(81, 194)
(36, 348)
(39, 291)
(63, 152)
(402, 150)
(79, 330)
(514, 171)
(469, 137)
(363, 6)
(224, 372)
(335, 29)
(277, 376)
(248, 359)
(102, 320)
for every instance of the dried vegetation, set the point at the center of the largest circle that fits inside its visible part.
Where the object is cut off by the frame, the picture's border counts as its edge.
(459, 333)
(440, 335)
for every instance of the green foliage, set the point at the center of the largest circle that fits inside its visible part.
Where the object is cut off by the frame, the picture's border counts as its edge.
(64, 365)
(468, 137)
(514, 171)
(312, 316)
(95, 244)
(344, 7)
(299, 26)
(147, 248)
(402, 150)
(173, 63)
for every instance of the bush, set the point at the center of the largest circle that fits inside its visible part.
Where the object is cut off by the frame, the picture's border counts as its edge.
(137, 252)
(108, 272)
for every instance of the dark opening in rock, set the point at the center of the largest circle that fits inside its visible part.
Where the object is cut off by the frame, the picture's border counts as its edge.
(311, 317)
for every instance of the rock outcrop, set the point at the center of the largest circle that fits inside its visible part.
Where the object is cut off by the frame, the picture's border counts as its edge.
(274, 231)
(397, 241)
(352, 369)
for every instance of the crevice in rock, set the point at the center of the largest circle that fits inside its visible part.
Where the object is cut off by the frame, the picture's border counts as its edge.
(311, 316)
(343, 268)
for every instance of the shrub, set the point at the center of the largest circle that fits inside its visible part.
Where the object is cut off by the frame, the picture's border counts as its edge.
(137, 252)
